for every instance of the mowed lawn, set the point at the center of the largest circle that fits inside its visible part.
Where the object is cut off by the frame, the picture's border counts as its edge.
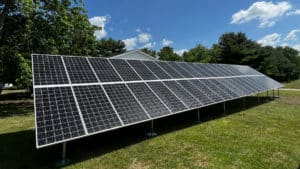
(264, 135)
(293, 85)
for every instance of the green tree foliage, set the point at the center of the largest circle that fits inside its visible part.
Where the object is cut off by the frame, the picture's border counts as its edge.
(234, 47)
(149, 52)
(27, 26)
(167, 53)
(281, 63)
(198, 54)
(109, 47)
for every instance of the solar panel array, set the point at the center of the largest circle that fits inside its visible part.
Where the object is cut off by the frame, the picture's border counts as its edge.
(80, 96)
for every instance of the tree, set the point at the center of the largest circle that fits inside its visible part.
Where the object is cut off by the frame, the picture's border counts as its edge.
(198, 54)
(234, 47)
(149, 52)
(277, 65)
(109, 47)
(27, 26)
(167, 53)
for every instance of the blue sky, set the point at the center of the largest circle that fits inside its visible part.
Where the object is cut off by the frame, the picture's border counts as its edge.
(183, 24)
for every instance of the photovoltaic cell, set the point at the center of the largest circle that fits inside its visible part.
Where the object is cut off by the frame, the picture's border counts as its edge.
(230, 85)
(206, 89)
(79, 70)
(57, 117)
(189, 69)
(238, 82)
(217, 89)
(171, 71)
(48, 70)
(104, 70)
(214, 69)
(167, 96)
(150, 102)
(187, 98)
(196, 92)
(142, 70)
(179, 69)
(225, 88)
(97, 112)
(125, 70)
(200, 69)
(126, 105)
(160, 73)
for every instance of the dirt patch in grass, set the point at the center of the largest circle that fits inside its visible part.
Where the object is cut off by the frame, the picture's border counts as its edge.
(135, 164)
(290, 100)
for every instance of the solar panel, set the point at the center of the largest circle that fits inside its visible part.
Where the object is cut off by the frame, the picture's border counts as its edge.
(202, 70)
(78, 96)
(207, 90)
(126, 105)
(57, 117)
(159, 72)
(196, 92)
(148, 99)
(174, 104)
(97, 112)
(217, 89)
(79, 70)
(142, 70)
(104, 70)
(180, 70)
(240, 83)
(170, 70)
(189, 69)
(123, 68)
(48, 70)
(229, 83)
(214, 70)
(183, 94)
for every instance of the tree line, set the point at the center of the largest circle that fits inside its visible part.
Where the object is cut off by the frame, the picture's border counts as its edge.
(62, 27)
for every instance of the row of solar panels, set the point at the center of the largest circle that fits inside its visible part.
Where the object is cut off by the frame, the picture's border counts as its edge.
(51, 70)
(70, 112)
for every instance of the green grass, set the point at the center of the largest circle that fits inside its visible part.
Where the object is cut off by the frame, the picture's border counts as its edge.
(293, 85)
(265, 135)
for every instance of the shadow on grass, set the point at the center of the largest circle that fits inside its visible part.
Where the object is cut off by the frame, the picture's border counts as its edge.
(18, 108)
(18, 150)
(15, 96)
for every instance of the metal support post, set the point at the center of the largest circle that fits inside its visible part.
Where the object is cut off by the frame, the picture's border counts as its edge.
(224, 108)
(64, 161)
(244, 102)
(273, 94)
(64, 152)
(258, 98)
(198, 115)
(278, 92)
(151, 133)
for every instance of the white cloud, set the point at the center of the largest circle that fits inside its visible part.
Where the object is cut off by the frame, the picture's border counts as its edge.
(130, 43)
(100, 21)
(166, 42)
(271, 40)
(144, 37)
(295, 12)
(266, 12)
(292, 35)
(149, 45)
(297, 47)
(180, 51)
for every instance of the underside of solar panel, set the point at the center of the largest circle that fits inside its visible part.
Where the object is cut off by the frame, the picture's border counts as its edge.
(80, 96)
